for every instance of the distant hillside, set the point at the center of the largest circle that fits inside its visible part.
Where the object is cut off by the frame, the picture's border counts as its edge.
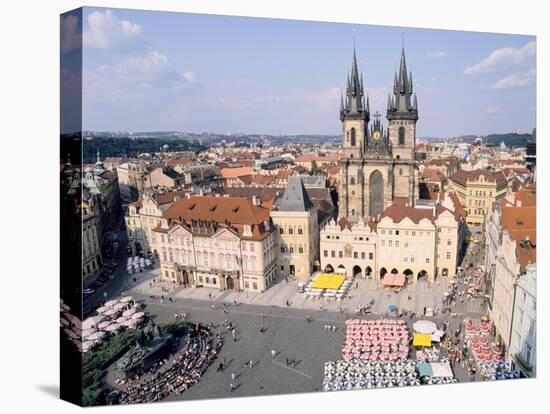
(510, 140)
(130, 147)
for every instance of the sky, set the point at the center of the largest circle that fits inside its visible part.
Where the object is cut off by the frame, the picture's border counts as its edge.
(160, 71)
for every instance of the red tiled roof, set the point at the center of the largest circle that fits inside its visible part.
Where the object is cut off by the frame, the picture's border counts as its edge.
(236, 172)
(232, 212)
(462, 176)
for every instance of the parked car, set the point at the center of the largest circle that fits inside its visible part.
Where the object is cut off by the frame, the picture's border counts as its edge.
(88, 291)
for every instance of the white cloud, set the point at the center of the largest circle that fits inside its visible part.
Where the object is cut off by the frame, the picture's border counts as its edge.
(503, 56)
(515, 80)
(106, 31)
(440, 54)
(70, 33)
(490, 110)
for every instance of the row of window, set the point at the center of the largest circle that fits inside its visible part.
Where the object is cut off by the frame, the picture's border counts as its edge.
(291, 249)
(290, 230)
(341, 254)
(483, 193)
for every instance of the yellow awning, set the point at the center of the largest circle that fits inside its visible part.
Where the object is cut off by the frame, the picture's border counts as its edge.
(422, 339)
(328, 281)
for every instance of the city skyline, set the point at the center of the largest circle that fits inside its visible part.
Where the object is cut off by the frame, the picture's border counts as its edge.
(147, 71)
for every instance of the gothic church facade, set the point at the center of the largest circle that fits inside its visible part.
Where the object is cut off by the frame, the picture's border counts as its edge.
(377, 165)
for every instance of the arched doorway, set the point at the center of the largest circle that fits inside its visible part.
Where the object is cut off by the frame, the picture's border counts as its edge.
(229, 283)
(329, 268)
(341, 269)
(356, 271)
(383, 272)
(445, 272)
(422, 275)
(376, 193)
(408, 273)
(394, 271)
(368, 272)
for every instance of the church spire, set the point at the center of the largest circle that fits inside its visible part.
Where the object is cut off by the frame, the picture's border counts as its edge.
(355, 94)
(403, 90)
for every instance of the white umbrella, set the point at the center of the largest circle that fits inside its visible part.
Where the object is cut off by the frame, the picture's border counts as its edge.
(88, 332)
(126, 299)
(102, 309)
(111, 312)
(64, 322)
(130, 322)
(73, 319)
(104, 324)
(129, 312)
(424, 327)
(111, 303)
(138, 315)
(87, 345)
(92, 322)
(71, 334)
(120, 306)
(96, 336)
(113, 328)
(122, 319)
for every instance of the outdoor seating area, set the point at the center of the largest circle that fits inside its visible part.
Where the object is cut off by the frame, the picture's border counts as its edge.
(138, 264)
(330, 286)
(176, 373)
(479, 340)
(113, 317)
(501, 370)
(357, 374)
(374, 340)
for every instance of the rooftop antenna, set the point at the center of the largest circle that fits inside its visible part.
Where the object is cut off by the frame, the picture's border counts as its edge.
(403, 39)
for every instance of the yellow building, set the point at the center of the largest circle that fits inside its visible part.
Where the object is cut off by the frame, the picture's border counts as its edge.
(477, 191)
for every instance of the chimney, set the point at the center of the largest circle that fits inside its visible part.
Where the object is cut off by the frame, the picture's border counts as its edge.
(188, 195)
(256, 200)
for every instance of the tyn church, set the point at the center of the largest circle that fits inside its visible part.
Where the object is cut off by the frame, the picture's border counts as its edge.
(377, 165)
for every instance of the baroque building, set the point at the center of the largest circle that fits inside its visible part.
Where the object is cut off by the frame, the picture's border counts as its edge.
(377, 165)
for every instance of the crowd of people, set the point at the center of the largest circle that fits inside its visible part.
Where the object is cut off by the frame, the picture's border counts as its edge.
(176, 373)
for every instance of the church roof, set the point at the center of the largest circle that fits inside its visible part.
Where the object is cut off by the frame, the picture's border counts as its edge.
(295, 197)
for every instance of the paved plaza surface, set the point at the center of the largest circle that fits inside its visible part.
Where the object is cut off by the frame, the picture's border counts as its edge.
(288, 333)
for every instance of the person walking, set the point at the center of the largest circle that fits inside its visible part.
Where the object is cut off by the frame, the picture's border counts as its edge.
(250, 364)
(233, 376)
(273, 353)
(231, 387)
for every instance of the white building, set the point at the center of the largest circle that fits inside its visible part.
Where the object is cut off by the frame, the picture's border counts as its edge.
(524, 323)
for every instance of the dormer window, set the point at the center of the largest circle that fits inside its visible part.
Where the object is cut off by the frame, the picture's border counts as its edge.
(247, 231)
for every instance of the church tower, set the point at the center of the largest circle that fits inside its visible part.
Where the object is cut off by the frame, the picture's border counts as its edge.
(402, 114)
(354, 114)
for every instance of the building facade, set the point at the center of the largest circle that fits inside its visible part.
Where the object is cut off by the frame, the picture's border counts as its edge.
(376, 165)
(523, 344)
(91, 250)
(296, 221)
(478, 190)
(144, 215)
(423, 241)
(217, 242)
